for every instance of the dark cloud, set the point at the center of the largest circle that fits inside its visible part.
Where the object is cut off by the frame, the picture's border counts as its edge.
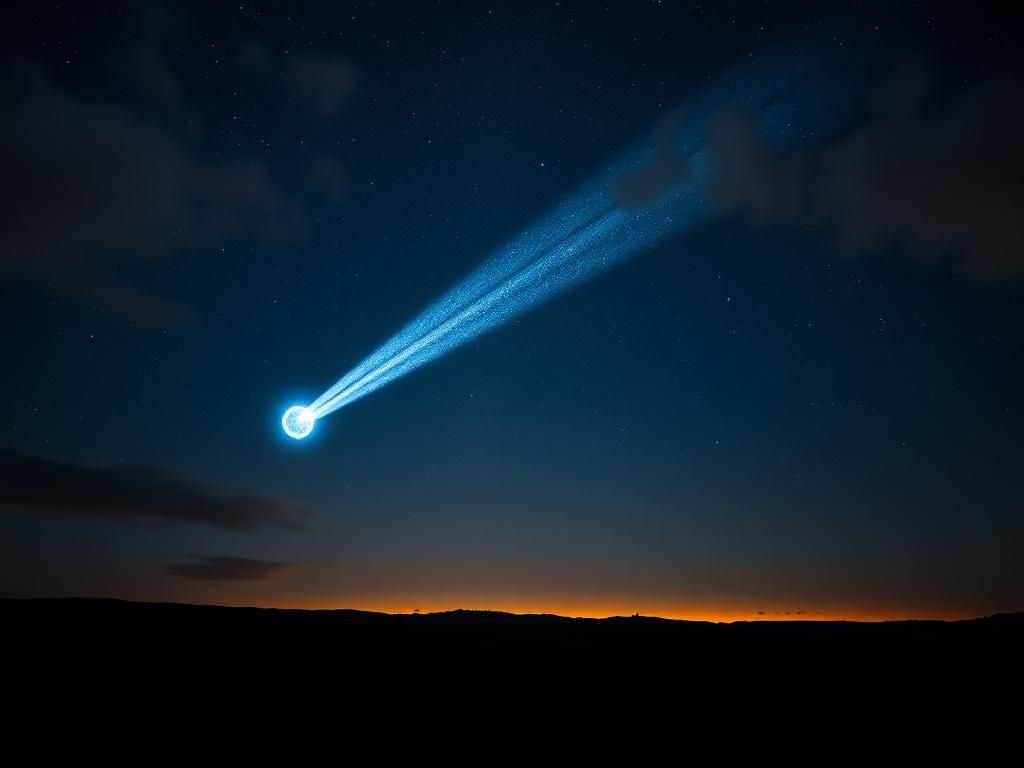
(747, 176)
(89, 186)
(666, 170)
(132, 493)
(940, 180)
(321, 82)
(219, 569)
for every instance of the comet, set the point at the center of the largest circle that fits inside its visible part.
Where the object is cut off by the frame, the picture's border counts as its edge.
(596, 228)
(298, 422)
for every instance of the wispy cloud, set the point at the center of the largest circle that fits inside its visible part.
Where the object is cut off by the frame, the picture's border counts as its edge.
(220, 569)
(133, 493)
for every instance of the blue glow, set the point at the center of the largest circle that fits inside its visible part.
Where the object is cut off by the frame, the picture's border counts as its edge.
(590, 232)
(298, 421)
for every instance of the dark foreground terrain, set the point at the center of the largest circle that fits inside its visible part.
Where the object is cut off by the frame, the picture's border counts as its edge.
(144, 638)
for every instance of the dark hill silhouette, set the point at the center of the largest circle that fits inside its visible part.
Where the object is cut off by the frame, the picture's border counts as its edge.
(118, 636)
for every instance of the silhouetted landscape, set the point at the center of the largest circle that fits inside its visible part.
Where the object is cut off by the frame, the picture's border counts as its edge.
(113, 634)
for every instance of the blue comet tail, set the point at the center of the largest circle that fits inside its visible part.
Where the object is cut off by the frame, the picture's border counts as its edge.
(591, 231)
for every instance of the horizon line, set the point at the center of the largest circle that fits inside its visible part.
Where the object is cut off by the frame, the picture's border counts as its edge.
(767, 618)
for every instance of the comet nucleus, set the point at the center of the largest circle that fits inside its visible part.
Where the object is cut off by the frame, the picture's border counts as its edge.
(298, 422)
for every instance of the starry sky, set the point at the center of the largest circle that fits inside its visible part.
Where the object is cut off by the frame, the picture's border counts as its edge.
(806, 406)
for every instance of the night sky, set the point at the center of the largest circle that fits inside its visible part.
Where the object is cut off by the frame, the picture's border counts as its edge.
(807, 405)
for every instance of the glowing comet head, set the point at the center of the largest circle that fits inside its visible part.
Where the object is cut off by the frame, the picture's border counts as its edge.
(298, 422)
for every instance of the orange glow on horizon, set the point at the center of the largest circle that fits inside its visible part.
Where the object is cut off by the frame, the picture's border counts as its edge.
(603, 609)
(306, 590)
